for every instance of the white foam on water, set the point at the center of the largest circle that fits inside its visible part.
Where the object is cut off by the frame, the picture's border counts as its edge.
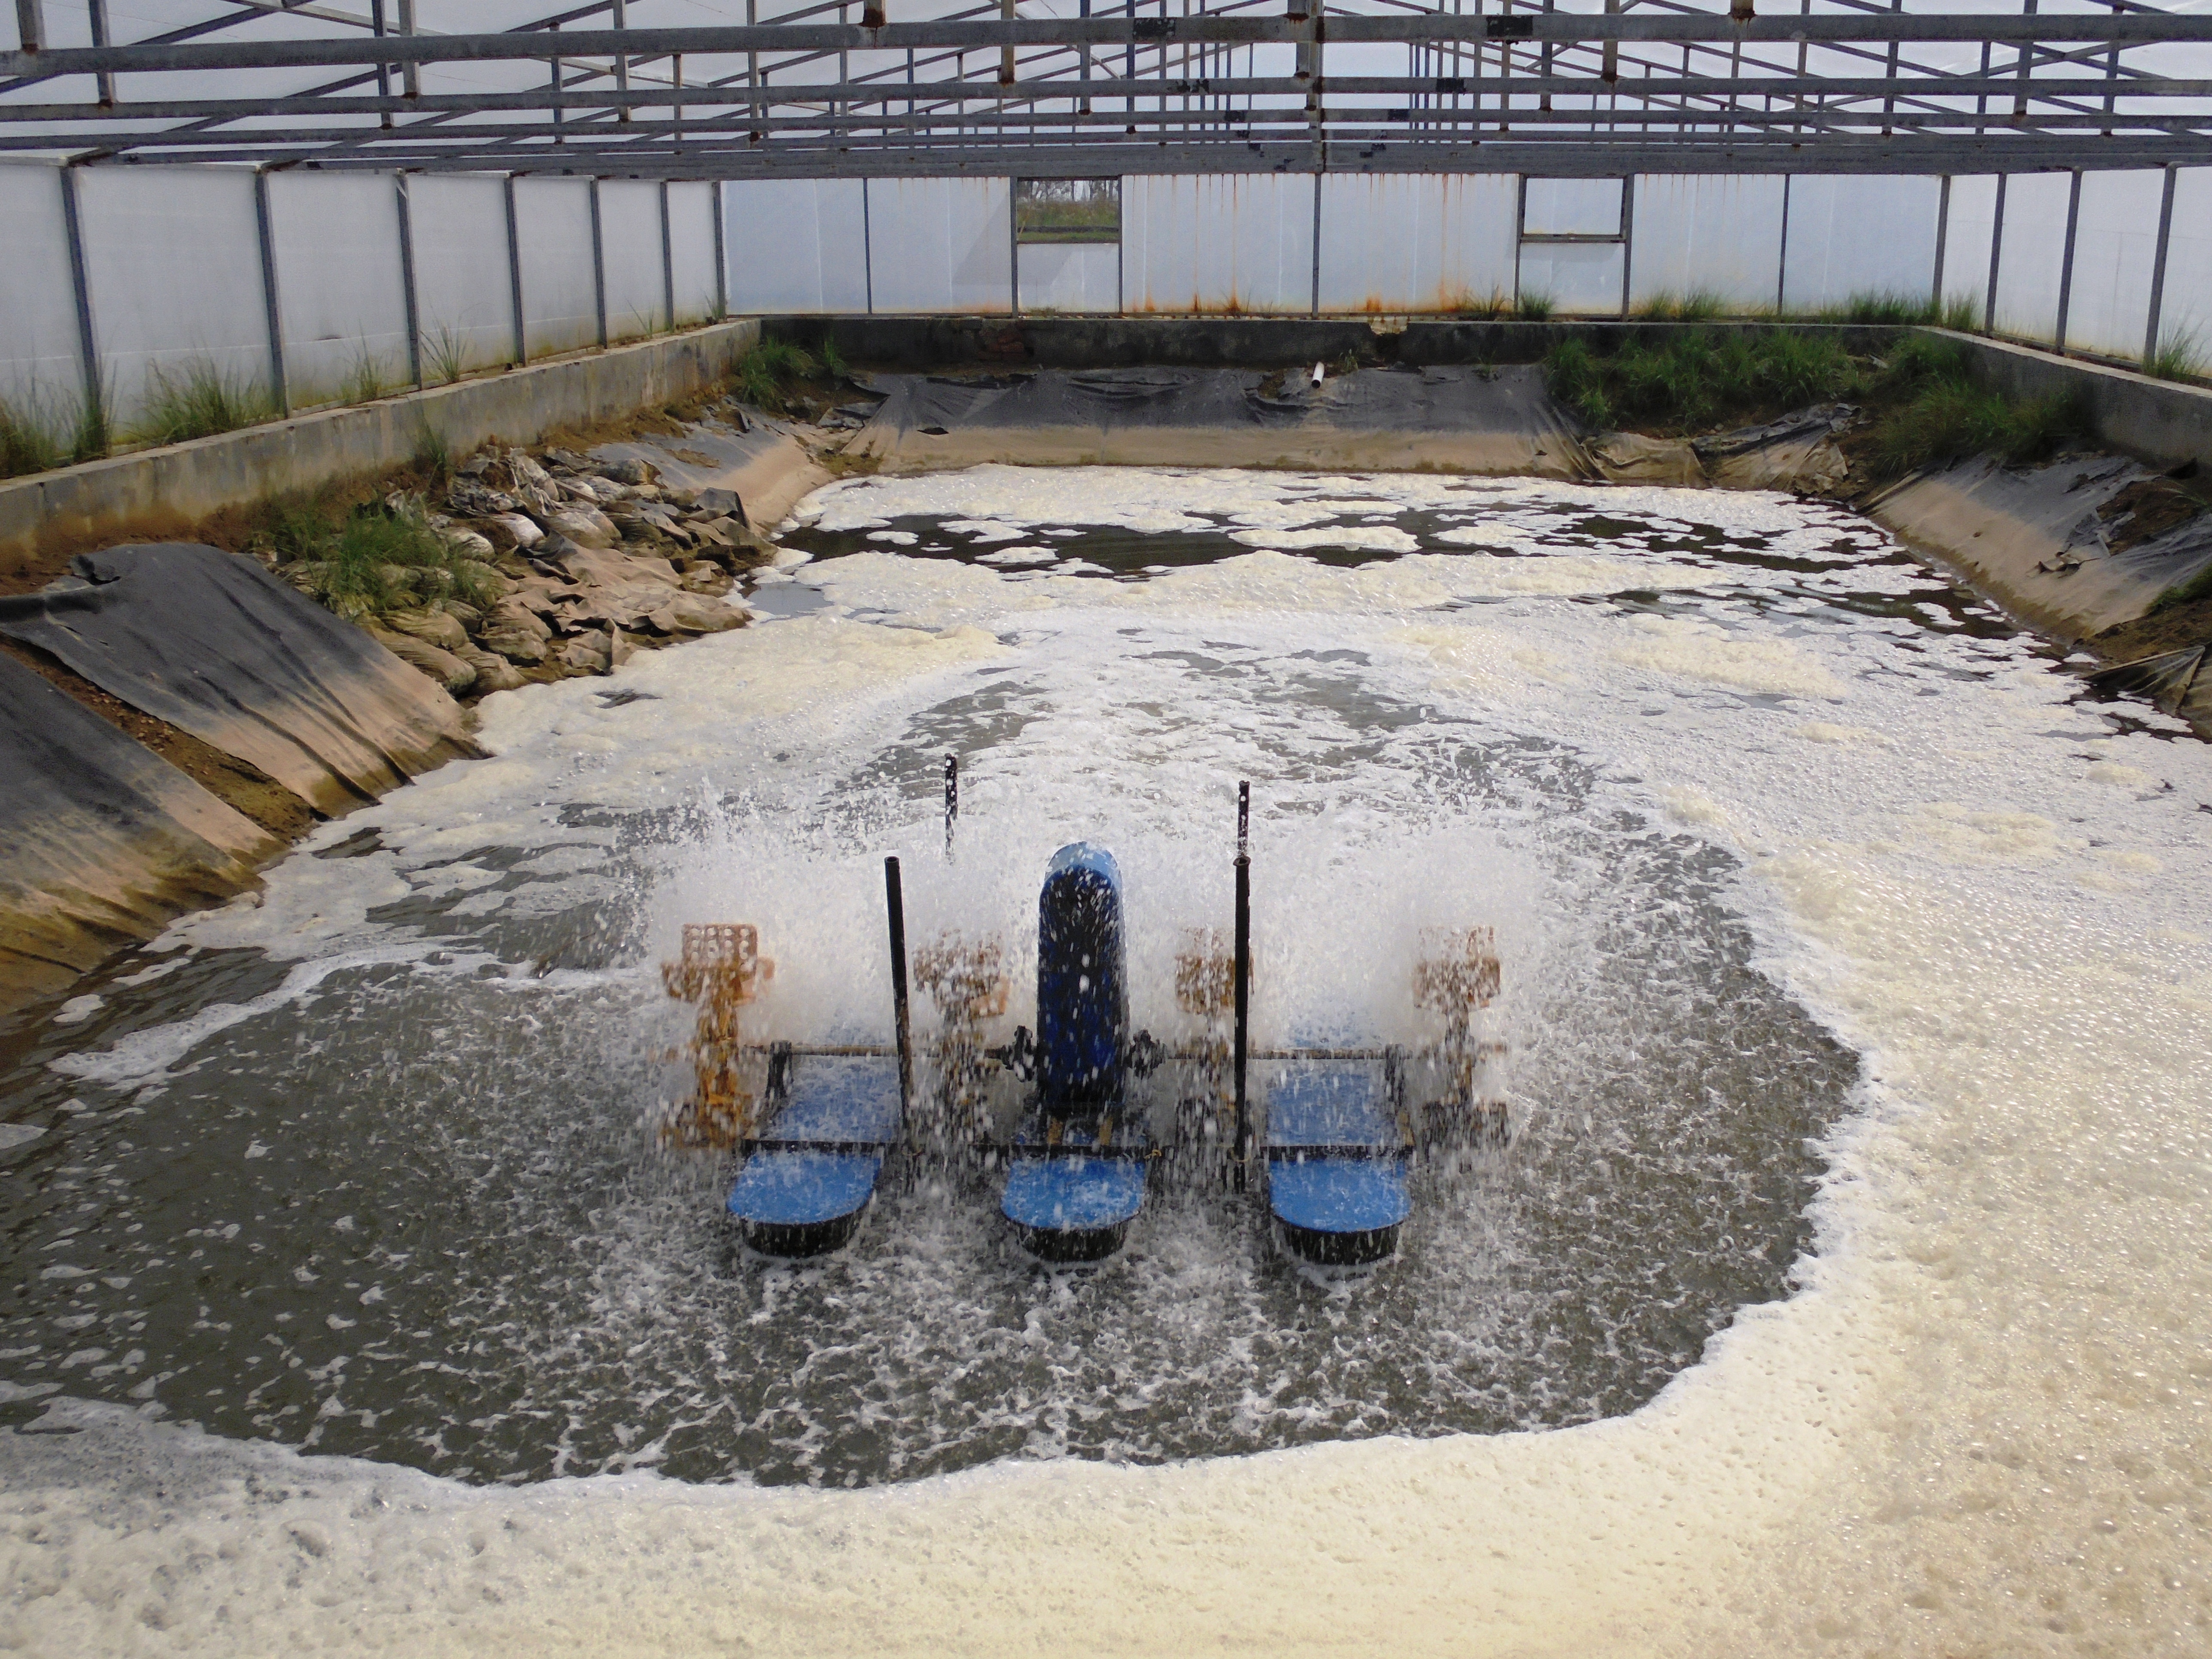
(1979, 1426)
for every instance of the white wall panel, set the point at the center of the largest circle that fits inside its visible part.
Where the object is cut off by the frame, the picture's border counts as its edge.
(1581, 279)
(1233, 242)
(1705, 234)
(41, 372)
(1966, 242)
(1860, 234)
(630, 231)
(464, 291)
(691, 249)
(941, 244)
(553, 225)
(174, 264)
(2028, 262)
(2115, 242)
(339, 283)
(796, 245)
(1071, 276)
(1573, 207)
(1399, 242)
(2185, 313)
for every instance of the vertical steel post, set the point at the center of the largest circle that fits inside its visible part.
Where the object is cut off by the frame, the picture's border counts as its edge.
(1996, 253)
(1627, 239)
(867, 250)
(895, 901)
(383, 70)
(271, 311)
(95, 13)
(95, 401)
(1781, 258)
(31, 25)
(951, 801)
(721, 250)
(406, 209)
(667, 260)
(619, 15)
(2158, 272)
(1942, 239)
(1243, 972)
(598, 268)
(514, 274)
(2066, 263)
(1316, 244)
(410, 75)
(1014, 245)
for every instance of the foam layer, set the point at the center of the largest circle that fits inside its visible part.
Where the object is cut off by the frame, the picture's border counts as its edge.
(1977, 1427)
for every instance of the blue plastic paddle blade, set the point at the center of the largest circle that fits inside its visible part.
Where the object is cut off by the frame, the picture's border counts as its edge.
(1083, 1000)
(1338, 1195)
(1073, 1194)
(798, 1189)
(839, 1097)
(1331, 1104)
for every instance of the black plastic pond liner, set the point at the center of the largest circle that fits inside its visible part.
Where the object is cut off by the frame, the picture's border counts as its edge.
(105, 840)
(217, 647)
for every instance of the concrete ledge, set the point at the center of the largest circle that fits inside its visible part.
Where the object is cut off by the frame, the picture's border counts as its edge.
(2159, 421)
(165, 492)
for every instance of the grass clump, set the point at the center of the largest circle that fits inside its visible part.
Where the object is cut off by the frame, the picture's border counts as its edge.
(380, 555)
(764, 376)
(37, 436)
(1699, 306)
(198, 400)
(1688, 380)
(1933, 412)
(2179, 356)
(1534, 308)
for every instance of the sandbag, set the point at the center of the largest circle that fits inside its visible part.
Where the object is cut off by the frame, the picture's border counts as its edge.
(217, 647)
(105, 840)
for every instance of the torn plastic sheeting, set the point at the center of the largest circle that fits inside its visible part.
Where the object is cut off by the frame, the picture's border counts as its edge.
(2173, 680)
(106, 842)
(215, 645)
(2035, 538)
(765, 467)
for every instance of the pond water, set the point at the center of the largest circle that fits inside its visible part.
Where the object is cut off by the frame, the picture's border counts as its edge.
(367, 1165)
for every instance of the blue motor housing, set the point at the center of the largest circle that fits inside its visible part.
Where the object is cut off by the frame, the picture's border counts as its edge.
(1083, 998)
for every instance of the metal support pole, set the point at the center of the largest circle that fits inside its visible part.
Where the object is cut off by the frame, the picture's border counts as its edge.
(894, 900)
(1244, 970)
(1943, 239)
(1996, 253)
(272, 312)
(96, 402)
(667, 260)
(599, 269)
(31, 25)
(721, 250)
(1316, 244)
(1627, 238)
(514, 274)
(1781, 258)
(2158, 272)
(410, 75)
(407, 278)
(867, 250)
(2066, 262)
(1014, 246)
(621, 21)
(383, 69)
(95, 13)
(951, 801)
